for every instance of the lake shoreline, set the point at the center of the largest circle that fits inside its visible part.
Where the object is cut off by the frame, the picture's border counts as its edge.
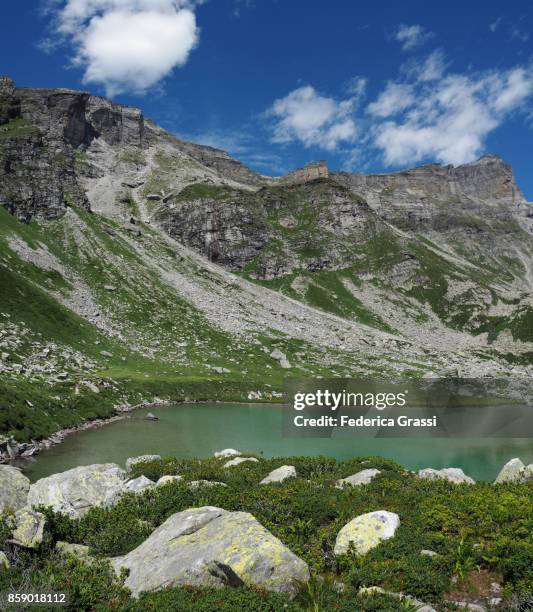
(20, 451)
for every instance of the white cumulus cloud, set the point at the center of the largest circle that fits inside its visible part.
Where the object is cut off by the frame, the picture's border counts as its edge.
(128, 45)
(393, 99)
(315, 120)
(449, 120)
(428, 113)
(412, 36)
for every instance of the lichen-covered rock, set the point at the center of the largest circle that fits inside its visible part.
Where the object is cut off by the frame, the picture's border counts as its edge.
(75, 491)
(140, 484)
(140, 459)
(455, 475)
(167, 479)
(361, 478)
(515, 471)
(14, 487)
(239, 460)
(227, 452)
(75, 550)
(211, 547)
(366, 532)
(280, 474)
(196, 484)
(29, 528)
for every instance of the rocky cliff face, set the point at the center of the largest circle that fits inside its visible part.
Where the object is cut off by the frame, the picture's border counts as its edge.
(43, 133)
(435, 247)
(489, 180)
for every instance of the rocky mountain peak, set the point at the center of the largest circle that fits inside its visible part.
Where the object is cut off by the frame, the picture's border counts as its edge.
(7, 85)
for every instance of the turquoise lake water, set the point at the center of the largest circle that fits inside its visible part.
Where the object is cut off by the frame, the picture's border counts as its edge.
(198, 430)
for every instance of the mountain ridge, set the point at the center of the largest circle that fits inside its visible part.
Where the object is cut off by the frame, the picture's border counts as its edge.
(180, 273)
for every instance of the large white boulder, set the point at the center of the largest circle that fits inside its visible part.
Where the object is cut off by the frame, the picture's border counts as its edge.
(167, 479)
(14, 487)
(455, 475)
(515, 471)
(239, 460)
(75, 491)
(280, 474)
(361, 478)
(366, 532)
(211, 547)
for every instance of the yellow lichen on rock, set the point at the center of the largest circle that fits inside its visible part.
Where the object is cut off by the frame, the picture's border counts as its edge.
(366, 532)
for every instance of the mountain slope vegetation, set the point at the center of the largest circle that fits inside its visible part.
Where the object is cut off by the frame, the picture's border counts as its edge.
(136, 266)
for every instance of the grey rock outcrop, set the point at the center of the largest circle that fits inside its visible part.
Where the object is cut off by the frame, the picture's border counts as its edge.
(360, 478)
(282, 358)
(168, 479)
(14, 488)
(41, 132)
(210, 546)
(140, 484)
(75, 491)
(515, 471)
(455, 475)
(280, 474)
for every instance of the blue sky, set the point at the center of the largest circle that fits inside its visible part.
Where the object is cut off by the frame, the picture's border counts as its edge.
(370, 87)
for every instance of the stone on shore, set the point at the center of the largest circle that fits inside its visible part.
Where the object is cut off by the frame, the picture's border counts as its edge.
(280, 474)
(140, 459)
(14, 487)
(239, 460)
(455, 475)
(29, 528)
(140, 484)
(76, 491)
(366, 532)
(167, 479)
(360, 478)
(515, 471)
(211, 547)
(227, 452)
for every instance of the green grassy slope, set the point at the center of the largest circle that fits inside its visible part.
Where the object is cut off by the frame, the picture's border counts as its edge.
(153, 344)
